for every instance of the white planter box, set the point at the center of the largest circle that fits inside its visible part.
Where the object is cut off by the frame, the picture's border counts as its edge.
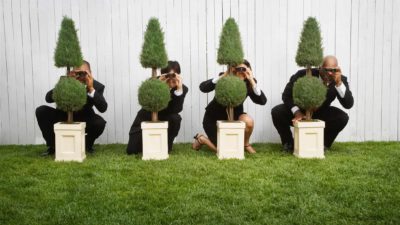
(309, 139)
(230, 139)
(70, 141)
(155, 140)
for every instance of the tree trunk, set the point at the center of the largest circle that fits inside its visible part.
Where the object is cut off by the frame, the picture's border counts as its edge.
(68, 70)
(70, 117)
(230, 113)
(309, 72)
(154, 72)
(308, 114)
(154, 116)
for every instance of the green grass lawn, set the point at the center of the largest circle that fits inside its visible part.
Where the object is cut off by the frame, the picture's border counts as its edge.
(357, 183)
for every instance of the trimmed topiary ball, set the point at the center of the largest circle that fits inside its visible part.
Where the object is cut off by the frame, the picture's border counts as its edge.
(154, 95)
(309, 93)
(69, 94)
(230, 91)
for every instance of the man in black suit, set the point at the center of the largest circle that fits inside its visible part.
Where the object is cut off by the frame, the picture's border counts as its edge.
(284, 115)
(170, 75)
(95, 124)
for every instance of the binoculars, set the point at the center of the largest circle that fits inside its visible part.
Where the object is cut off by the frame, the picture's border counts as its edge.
(240, 69)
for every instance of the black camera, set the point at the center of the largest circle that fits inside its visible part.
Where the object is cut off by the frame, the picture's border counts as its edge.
(80, 74)
(240, 69)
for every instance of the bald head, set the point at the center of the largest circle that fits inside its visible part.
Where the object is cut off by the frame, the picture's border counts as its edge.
(330, 61)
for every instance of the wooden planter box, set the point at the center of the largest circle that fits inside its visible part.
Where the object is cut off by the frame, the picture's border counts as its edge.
(230, 139)
(155, 140)
(70, 141)
(309, 139)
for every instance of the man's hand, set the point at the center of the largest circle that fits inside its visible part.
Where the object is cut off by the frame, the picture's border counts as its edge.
(298, 115)
(89, 82)
(337, 77)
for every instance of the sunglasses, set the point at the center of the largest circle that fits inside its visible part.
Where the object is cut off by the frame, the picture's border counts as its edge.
(326, 70)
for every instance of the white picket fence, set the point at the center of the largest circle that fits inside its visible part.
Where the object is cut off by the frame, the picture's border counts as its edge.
(363, 34)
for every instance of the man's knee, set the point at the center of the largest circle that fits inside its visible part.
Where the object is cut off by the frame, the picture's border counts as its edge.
(42, 111)
(278, 112)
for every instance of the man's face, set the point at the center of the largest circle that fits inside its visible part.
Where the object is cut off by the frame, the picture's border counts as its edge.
(80, 73)
(327, 70)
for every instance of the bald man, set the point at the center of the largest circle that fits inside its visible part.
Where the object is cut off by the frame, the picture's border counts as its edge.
(284, 115)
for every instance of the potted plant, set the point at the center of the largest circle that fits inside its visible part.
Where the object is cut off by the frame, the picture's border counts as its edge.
(230, 92)
(153, 94)
(69, 95)
(309, 93)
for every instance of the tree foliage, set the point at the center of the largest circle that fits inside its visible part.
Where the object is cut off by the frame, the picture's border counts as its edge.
(154, 95)
(153, 53)
(309, 93)
(68, 51)
(230, 51)
(310, 52)
(69, 94)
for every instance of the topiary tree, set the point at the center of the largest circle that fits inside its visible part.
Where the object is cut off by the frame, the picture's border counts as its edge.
(309, 51)
(309, 92)
(68, 51)
(230, 92)
(230, 51)
(153, 53)
(154, 96)
(69, 95)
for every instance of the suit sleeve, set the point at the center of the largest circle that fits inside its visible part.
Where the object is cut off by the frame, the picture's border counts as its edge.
(49, 96)
(207, 86)
(258, 99)
(287, 95)
(347, 101)
(176, 103)
(98, 99)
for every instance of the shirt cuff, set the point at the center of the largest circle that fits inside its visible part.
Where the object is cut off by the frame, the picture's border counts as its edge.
(91, 94)
(215, 80)
(341, 89)
(295, 109)
(178, 93)
(257, 90)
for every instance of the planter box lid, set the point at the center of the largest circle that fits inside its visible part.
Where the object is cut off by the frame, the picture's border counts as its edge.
(154, 125)
(69, 126)
(234, 124)
(310, 124)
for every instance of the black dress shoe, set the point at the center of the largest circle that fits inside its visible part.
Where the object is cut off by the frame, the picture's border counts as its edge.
(49, 151)
(90, 150)
(288, 147)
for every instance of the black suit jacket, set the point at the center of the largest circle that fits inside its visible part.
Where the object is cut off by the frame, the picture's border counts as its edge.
(218, 111)
(98, 100)
(175, 105)
(347, 101)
